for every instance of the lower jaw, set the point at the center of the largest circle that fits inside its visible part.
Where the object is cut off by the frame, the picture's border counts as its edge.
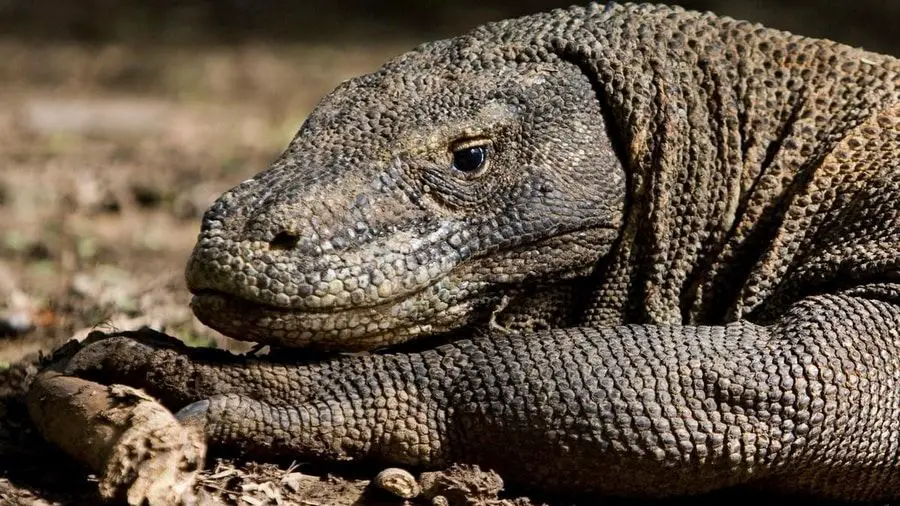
(245, 321)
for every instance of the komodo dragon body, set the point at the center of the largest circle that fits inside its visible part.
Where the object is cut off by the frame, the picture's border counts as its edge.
(630, 249)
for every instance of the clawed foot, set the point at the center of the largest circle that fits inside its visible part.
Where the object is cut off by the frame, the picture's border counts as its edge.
(256, 407)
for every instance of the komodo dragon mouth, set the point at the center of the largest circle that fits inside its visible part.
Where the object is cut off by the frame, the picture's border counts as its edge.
(463, 293)
(347, 329)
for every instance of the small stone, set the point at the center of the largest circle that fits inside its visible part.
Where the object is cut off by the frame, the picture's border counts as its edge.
(398, 482)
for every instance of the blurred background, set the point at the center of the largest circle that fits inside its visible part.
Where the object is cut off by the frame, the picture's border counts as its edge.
(862, 22)
(121, 121)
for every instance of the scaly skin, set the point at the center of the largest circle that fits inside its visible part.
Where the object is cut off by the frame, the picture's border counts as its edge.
(681, 254)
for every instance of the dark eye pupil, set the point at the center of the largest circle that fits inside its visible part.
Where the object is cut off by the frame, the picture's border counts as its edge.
(469, 159)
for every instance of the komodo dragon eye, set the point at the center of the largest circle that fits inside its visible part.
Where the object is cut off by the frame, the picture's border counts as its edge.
(470, 158)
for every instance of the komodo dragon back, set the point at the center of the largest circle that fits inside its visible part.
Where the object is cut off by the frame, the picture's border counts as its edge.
(676, 234)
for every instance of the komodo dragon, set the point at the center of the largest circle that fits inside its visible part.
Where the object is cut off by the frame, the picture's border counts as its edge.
(622, 249)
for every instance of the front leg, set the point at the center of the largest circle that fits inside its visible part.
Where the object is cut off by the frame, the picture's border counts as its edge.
(808, 404)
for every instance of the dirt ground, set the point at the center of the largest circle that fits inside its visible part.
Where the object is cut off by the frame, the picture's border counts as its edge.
(108, 157)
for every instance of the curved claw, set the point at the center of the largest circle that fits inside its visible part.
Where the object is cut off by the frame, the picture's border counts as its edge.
(194, 414)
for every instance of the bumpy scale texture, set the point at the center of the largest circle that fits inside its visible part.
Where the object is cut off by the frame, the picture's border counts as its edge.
(679, 263)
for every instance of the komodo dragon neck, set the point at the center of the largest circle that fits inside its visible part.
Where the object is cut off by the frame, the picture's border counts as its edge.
(724, 124)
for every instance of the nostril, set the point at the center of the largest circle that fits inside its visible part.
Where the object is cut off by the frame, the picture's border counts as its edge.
(284, 241)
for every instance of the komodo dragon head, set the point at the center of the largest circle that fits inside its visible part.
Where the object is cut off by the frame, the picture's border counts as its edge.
(419, 200)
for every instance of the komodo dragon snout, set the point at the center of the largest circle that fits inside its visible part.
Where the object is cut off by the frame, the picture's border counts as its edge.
(412, 203)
